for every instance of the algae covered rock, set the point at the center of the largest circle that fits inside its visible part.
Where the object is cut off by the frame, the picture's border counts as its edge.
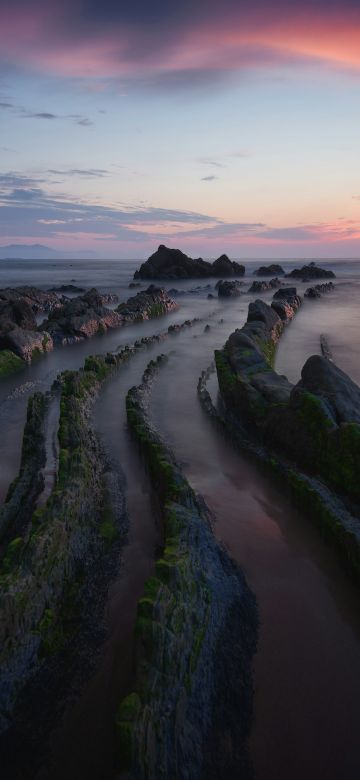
(147, 304)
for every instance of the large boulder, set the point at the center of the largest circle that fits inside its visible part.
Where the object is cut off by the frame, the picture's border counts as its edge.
(270, 270)
(311, 271)
(340, 394)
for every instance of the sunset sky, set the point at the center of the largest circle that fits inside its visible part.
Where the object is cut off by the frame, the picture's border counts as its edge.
(215, 127)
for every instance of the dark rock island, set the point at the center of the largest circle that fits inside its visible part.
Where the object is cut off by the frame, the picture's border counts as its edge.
(168, 263)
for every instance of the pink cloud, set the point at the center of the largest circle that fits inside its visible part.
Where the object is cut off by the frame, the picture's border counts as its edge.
(43, 37)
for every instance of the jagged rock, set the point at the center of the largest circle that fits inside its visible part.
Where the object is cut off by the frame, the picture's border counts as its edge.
(341, 395)
(134, 284)
(146, 304)
(286, 303)
(168, 263)
(25, 342)
(227, 289)
(109, 298)
(37, 300)
(223, 266)
(257, 287)
(18, 329)
(270, 270)
(80, 318)
(311, 271)
(318, 290)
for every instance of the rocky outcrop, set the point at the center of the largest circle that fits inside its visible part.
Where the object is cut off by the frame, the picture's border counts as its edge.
(270, 270)
(168, 263)
(18, 329)
(286, 303)
(50, 554)
(227, 289)
(258, 287)
(315, 424)
(147, 304)
(23, 492)
(223, 266)
(195, 630)
(80, 318)
(38, 300)
(318, 290)
(318, 416)
(311, 271)
(25, 343)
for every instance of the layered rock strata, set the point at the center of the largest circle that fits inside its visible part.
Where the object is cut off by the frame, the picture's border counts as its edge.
(315, 424)
(195, 630)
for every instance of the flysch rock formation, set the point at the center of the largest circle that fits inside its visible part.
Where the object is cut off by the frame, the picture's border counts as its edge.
(309, 272)
(315, 425)
(195, 631)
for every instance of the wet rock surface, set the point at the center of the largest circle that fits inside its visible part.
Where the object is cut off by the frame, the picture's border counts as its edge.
(147, 304)
(314, 424)
(168, 263)
(194, 612)
(80, 318)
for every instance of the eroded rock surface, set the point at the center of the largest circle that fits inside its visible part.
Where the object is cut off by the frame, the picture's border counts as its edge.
(81, 317)
(147, 304)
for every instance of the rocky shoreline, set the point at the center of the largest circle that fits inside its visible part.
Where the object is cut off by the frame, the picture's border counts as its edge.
(69, 319)
(53, 555)
(194, 612)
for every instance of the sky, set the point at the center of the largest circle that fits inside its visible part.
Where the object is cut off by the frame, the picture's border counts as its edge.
(213, 127)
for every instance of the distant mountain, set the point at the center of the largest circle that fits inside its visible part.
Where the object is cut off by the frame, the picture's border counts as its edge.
(39, 252)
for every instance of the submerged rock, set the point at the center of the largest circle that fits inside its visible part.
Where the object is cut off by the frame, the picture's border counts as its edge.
(67, 288)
